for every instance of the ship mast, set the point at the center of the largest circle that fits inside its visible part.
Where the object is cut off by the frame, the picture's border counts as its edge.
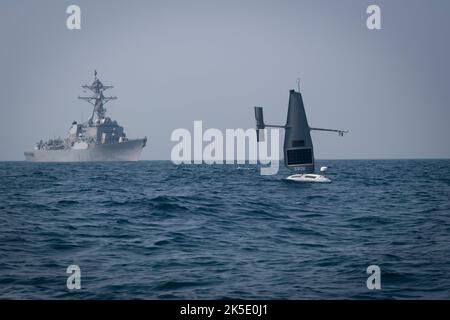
(98, 100)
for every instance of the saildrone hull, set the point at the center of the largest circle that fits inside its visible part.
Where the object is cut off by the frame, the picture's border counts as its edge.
(308, 177)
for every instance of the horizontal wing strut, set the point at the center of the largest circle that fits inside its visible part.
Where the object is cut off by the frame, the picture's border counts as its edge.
(340, 132)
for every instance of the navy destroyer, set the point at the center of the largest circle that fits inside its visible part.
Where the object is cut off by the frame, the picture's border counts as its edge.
(97, 139)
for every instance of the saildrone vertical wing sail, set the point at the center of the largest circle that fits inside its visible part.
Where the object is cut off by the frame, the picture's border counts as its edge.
(298, 147)
(259, 123)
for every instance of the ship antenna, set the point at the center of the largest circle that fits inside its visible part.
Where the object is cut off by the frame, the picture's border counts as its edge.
(95, 74)
(298, 84)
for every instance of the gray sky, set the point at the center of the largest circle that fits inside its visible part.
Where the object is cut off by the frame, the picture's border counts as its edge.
(174, 62)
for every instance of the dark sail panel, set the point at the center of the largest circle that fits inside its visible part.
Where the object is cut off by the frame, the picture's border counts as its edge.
(259, 123)
(298, 147)
(297, 157)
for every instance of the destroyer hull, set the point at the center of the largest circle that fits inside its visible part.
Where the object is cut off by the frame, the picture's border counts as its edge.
(125, 151)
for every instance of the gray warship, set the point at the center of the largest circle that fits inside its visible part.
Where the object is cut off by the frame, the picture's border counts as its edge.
(97, 139)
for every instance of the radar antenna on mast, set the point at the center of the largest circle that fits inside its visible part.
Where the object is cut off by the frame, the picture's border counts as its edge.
(98, 100)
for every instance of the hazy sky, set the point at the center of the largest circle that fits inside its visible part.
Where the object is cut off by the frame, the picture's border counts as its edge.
(174, 62)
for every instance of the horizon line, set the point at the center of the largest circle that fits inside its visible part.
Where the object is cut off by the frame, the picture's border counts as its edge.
(247, 160)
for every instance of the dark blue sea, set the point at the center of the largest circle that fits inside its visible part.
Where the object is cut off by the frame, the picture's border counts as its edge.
(154, 230)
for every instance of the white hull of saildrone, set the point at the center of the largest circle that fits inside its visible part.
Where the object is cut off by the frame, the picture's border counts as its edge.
(309, 177)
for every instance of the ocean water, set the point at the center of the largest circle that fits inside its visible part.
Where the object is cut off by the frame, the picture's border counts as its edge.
(153, 230)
